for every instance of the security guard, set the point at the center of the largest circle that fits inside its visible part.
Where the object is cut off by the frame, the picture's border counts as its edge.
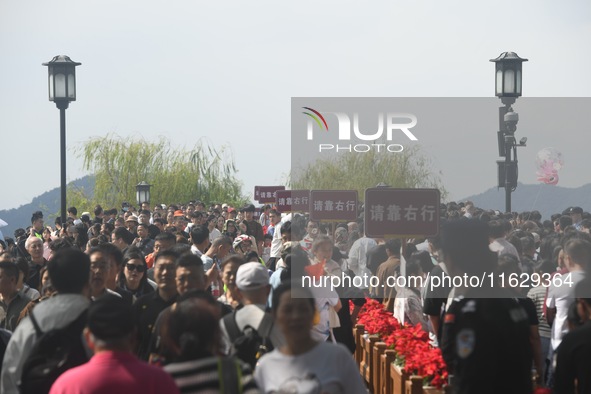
(486, 346)
(485, 340)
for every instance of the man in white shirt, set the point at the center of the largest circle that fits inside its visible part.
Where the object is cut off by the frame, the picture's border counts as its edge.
(358, 256)
(498, 243)
(577, 255)
(277, 242)
(199, 240)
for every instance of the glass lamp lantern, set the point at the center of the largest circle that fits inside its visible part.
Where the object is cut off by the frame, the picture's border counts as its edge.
(142, 192)
(508, 76)
(62, 79)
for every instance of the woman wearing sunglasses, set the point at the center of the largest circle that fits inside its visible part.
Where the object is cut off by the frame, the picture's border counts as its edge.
(134, 278)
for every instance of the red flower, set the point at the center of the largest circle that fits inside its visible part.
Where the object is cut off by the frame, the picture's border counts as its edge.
(411, 343)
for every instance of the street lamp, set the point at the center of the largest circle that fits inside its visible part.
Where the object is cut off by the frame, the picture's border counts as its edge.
(142, 191)
(508, 79)
(62, 90)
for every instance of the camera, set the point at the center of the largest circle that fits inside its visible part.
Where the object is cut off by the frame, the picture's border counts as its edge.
(511, 118)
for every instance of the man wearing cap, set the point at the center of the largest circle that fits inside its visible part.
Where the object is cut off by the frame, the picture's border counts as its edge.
(254, 228)
(179, 220)
(231, 213)
(576, 214)
(252, 281)
(131, 223)
(113, 368)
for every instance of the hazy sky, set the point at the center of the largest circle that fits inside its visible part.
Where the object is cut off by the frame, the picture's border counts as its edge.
(227, 71)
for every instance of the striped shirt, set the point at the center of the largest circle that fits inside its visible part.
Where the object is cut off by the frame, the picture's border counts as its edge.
(538, 295)
(204, 376)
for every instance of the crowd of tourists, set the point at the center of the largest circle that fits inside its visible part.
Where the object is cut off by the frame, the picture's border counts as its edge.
(197, 298)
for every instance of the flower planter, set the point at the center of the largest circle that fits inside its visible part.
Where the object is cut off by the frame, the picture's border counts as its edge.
(358, 332)
(414, 385)
(367, 358)
(386, 359)
(378, 349)
(398, 377)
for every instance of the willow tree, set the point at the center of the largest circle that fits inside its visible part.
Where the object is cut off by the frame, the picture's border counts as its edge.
(360, 171)
(176, 174)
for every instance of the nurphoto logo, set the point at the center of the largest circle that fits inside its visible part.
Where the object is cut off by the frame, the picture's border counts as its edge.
(394, 124)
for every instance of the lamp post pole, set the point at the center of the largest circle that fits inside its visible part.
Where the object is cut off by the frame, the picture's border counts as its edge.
(508, 77)
(62, 90)
(62, 109)
(508, 187)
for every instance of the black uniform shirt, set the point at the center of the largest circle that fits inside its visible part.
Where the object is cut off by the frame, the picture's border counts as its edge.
(486, 346)
(147, 309)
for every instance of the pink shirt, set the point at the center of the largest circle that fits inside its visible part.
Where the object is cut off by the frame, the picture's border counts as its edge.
(112, 373)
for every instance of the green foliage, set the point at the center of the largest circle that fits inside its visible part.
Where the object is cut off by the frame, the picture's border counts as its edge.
(79, 198)
(177, 175)
(360, 171)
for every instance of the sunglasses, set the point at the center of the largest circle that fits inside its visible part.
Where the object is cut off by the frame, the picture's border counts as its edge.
(134, 267)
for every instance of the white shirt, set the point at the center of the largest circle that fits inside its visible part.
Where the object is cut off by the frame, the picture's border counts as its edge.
(276, 243)
(358, 255)
(196, 251)
(207, 262)
(501, 246)
(326, 365)
(325, 299)
(561, 298)
(213, 234)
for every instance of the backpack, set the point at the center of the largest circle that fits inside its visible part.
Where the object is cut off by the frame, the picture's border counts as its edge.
(249, 343)
(229, 375)
(54, 352)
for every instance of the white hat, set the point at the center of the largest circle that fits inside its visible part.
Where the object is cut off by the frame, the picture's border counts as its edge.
(252, 276)
(132, 218)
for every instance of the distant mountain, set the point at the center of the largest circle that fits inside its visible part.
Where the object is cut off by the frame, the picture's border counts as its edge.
(544, 198)
(48, 203)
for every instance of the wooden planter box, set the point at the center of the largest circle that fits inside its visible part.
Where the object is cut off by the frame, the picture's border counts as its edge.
(378, 349)
(366, 364)
(386, 360)
(398, 378)
(414, 385)
(358, 332)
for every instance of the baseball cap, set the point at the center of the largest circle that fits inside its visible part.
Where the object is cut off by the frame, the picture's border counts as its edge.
(252, 276)
(572, 210)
